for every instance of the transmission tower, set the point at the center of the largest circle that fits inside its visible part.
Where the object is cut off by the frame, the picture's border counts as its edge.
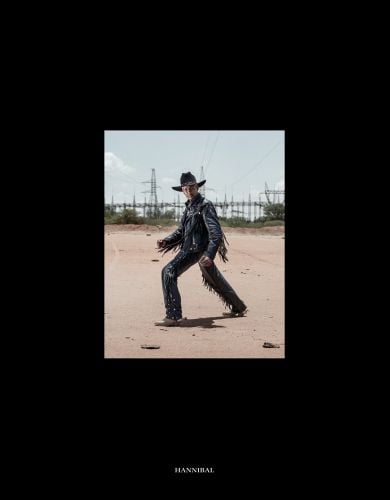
(153, 208)
(274, 192)
(202, 189)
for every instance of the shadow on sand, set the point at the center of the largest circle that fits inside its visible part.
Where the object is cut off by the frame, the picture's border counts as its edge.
(202, 322)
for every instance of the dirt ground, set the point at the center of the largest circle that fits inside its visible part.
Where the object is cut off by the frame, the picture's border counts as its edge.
(134, 299)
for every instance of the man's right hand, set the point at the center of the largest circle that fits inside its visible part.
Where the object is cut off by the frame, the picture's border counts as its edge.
(161, 243)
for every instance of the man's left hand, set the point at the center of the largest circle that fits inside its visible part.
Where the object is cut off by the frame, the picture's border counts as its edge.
(206, 261)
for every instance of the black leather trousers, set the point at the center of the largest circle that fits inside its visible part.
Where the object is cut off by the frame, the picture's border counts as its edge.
(212, 279)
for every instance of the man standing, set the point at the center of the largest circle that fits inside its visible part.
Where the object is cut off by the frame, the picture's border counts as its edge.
(199, 237)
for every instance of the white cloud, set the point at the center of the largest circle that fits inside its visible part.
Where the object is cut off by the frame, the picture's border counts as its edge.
(169, 180)
(114, 164)
(118, 178)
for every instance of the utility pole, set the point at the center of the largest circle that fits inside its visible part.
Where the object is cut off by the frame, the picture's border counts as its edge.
(224, 209)
(202, 189)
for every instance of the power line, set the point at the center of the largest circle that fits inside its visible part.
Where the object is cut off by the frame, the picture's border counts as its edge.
(204, 153)
(118, 170)
(119, 178)
(257, 164)
(212, 152)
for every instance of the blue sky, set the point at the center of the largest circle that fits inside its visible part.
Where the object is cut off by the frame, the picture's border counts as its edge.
(234, 162)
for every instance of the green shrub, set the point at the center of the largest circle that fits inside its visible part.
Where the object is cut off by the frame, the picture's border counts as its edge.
(274, 211)
(273, 223)
(127, 216)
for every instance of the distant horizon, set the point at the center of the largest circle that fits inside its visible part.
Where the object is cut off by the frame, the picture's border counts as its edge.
(182, 199)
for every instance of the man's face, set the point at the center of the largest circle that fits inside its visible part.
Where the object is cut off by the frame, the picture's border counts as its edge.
(190, 191)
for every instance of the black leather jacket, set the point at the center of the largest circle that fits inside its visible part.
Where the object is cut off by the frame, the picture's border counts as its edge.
(199, 229)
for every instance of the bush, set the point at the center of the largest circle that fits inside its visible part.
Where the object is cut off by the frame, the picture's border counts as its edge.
(127, 216)
(273, 223)
(169, 214)
(258, 223)
(274, 211)
(233, 222)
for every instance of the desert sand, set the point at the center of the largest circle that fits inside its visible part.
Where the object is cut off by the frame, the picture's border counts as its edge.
(134, 299)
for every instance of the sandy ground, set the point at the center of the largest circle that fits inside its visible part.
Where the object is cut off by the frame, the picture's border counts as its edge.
(134, 300)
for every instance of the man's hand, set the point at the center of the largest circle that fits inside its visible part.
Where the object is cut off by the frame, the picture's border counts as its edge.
(206, 261)
(161, 243)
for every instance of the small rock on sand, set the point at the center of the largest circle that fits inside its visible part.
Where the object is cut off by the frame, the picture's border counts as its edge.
(270, 345)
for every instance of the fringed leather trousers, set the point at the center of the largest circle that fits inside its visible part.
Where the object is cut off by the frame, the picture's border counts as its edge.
(212, 279)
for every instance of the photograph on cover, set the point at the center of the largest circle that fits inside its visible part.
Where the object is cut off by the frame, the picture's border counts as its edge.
(194, 225)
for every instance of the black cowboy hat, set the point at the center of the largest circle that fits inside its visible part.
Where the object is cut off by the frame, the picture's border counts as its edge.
(187, 179)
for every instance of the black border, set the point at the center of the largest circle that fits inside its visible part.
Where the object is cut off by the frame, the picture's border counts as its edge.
(179, 409)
